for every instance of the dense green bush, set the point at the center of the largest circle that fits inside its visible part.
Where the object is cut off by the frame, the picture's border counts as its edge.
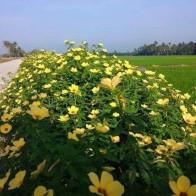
(66, 116)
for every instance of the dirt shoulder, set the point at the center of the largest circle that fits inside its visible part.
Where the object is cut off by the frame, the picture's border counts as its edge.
(3, 59)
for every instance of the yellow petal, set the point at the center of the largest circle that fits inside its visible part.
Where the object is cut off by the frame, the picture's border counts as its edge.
(93, 189)
(50, 192)
(183, 184)
(106, 179)
(20, 175)
(174, 187)
(13, 184)
(192, 190)
(94, 179)
(41, 166)
(106, 83)
(2, 183)
(40, 191)
(115, 81)
(115, 189)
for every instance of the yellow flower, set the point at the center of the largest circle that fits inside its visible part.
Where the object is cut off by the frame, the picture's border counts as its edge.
(90, 127)
(17, 181)
(77, 58)
(19, 143)
(6, 117)
(94, 70)
(102, 128)
(47, 70)
(161, 76)
(115, 139)
(4, 180)
(183, 109)
(194, 107)
(25, 103)
(39, 169)
(42, 95)
(38, 113)
(5, 128)
(187, 96)
(73, 110)
(144, 106)
(107, 186)
(173, 145)
(139, 73)
(161, 149)
(147, 140)
(69, 54)
(115, 114)
(182, 187)
(79, 131)
(163, 102)
(92, 116)
(149, 73)
(105, 64)
(74, 88)
(72, 136)
(64, 91)
(74, 70)
(84, 64)
(42, 191)
(193, 135)
(47, 85)
(113, 104)
(36, 103)
(189, 119)
(95, 112)
(153, 113)
(34, 97)
(95, 90)
(41, 66)
(5, 152)
(64, 118)
(17, 110)
(110, 83)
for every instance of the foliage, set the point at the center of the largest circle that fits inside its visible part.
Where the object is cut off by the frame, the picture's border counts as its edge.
(14, 50)
(161, 49)
(166, 49)
(67, 117)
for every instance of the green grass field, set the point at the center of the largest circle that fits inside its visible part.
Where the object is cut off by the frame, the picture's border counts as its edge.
(161, 60)
(178, 70)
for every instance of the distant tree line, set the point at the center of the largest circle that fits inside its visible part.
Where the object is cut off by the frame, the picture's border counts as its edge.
(162, 49)
(13, 49)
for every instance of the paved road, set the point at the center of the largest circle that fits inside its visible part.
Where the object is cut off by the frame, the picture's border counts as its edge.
(5, 68)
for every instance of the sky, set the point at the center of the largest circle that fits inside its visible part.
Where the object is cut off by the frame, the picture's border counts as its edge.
(120, 25)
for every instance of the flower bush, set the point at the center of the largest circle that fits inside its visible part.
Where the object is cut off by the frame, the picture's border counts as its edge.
(68, 118)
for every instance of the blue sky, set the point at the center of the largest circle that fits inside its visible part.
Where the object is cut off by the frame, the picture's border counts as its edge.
(120, 24)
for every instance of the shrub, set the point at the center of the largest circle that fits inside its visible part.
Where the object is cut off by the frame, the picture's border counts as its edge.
(68, 118)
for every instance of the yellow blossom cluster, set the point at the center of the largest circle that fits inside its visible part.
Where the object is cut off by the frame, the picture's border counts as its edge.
(65, 117)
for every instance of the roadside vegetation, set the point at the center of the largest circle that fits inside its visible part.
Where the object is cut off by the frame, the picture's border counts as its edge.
(13, 49)
(82, 124)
